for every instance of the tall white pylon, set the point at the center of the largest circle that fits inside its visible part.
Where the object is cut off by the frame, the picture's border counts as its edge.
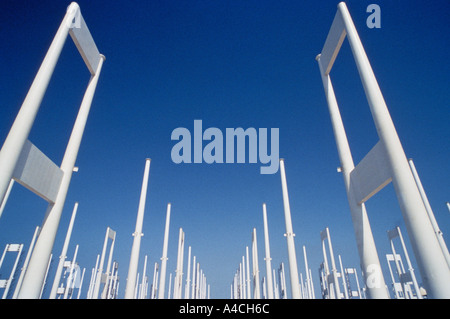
(293, 270)
(386, 162)
(17, 138)
(268, 259)
(162, 278)
(134, 258)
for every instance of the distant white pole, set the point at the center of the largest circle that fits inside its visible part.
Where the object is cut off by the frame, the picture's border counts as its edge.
(249, 295)
(108, 267)
(18, 134)
(308, 278)
(197, 281)
(70, 277)
(437, 231)
(100, 267)
(63, 256)
(244, 284)
(25, 263)
(268, 259)
(257, 290)
(430, 259)
(282, 280)
(410, 267)
(93, 279)
(333, 266)
(81, 283)
(293, 270)
(162, 278)
(144, 279)
(193, 278)
(344, 282)
(188, 279)
(179, 270)
(134, 258)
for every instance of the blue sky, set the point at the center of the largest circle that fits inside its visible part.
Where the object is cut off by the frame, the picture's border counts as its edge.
(230, 64)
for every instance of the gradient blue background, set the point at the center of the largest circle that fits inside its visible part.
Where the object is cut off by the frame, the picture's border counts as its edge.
(230, 64)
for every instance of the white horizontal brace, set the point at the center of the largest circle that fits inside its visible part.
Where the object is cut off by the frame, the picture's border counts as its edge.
(35, 171)
(85, 43)
(333, 43)
(371, 174)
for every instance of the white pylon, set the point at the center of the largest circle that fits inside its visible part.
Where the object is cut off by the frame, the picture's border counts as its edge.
(188, 279)
(332, 277)
(256, 285)
(386, 162)
(17, 139)
(179, 271)
(249, 295)
(162, 278)
(268, 259)
(134, 256)
(293, 270)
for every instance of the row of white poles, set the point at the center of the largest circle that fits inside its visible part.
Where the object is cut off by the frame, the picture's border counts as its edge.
(198, 283)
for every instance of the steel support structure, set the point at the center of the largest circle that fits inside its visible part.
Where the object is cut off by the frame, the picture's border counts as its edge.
(386, 162)
(22, 161)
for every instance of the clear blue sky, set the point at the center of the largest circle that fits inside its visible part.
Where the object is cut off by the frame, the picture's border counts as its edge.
(231, 64)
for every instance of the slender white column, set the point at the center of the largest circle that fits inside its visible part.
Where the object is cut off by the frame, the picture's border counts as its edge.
(429, 256)
(308, 277)
(410, 267)
(162, 278)
(256, 287)
(333, 266)
(21, 127)
(134, 257)
(179, 270)
(249, 295)
(34, 277)
(188, 279)
(293, 270)
(25, 263)
(244, 284)
(100, 267)
(143, 293)
(193, 279)
(268, 259)
(344, 282)
(63, 255)
(433, 221)
(368, 256)
(70, 278)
